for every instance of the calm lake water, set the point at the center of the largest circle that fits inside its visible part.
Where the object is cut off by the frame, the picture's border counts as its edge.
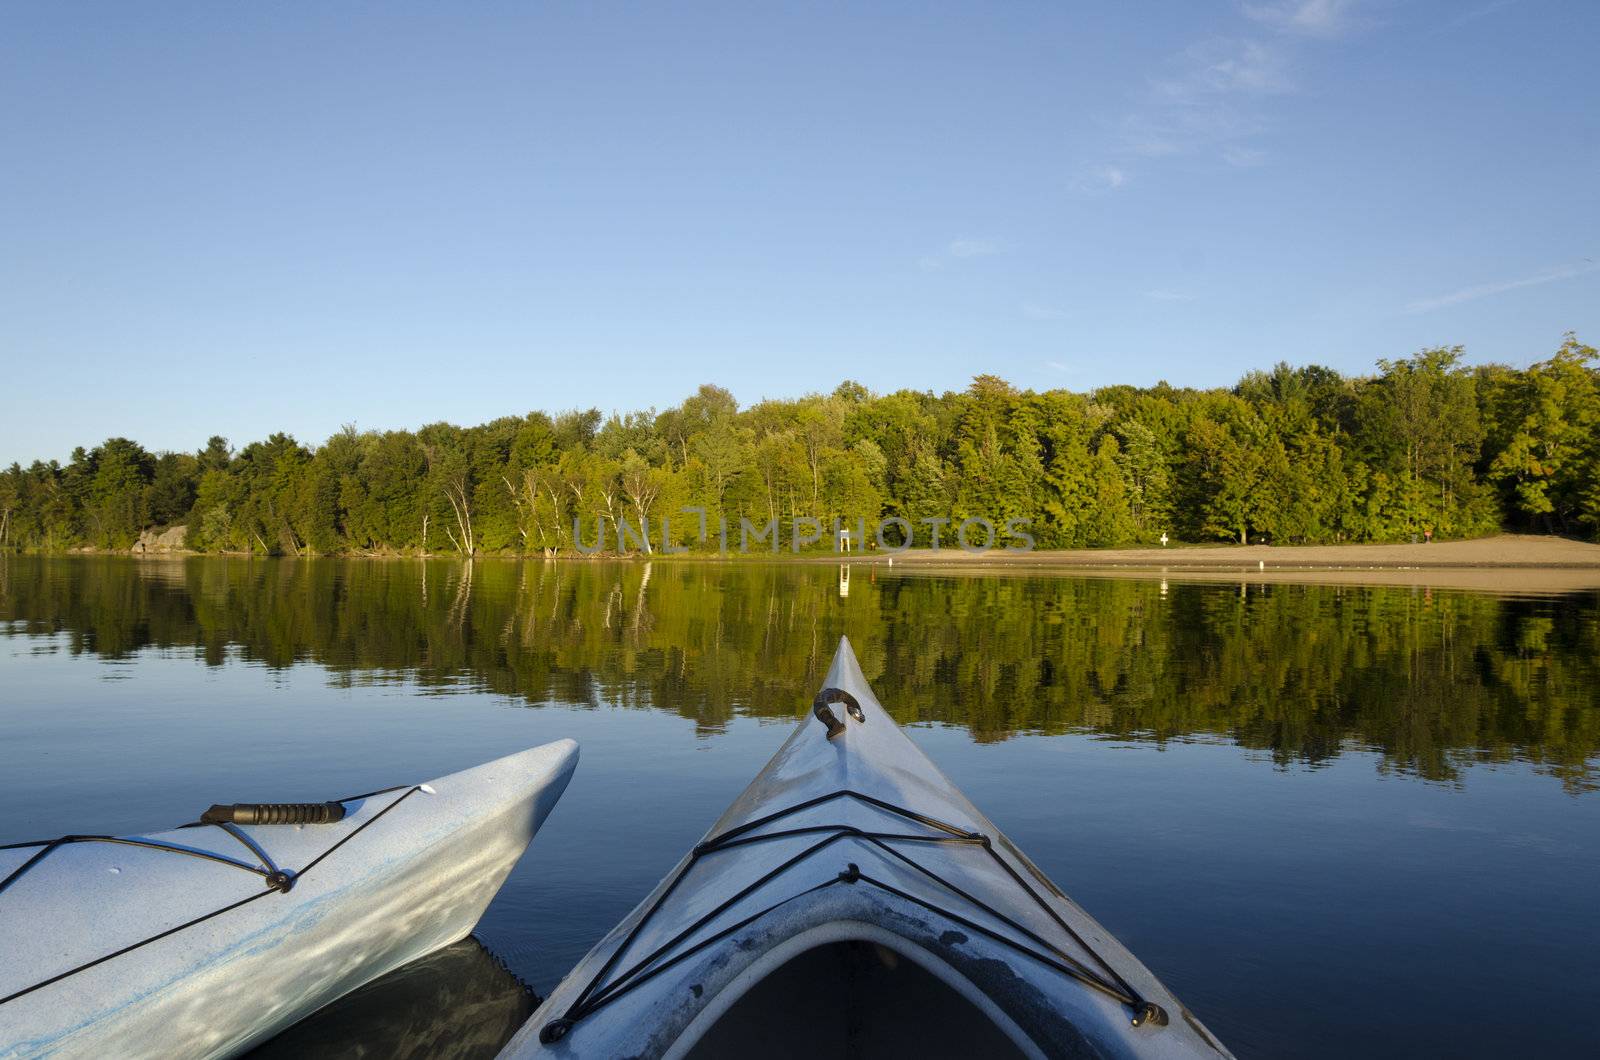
(1333, 820)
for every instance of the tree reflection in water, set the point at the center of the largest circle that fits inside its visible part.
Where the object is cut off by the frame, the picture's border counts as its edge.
(1433, 680)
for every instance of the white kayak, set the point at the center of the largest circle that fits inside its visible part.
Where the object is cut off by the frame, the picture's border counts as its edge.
(852, 902)
(206, 940)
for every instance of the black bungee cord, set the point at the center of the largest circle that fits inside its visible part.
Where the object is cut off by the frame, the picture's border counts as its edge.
(277, 880)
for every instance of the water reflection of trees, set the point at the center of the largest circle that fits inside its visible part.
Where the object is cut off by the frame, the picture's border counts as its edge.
(1432, 680)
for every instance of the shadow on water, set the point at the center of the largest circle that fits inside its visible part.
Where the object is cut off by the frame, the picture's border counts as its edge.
(457, 1004)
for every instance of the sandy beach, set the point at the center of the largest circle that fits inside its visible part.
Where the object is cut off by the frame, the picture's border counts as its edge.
(1505, 563)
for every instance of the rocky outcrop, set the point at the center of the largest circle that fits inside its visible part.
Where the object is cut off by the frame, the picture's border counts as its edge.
(171, 539)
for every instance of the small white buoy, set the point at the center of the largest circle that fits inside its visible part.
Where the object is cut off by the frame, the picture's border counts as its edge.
(1263, 565)
(426, 789)
(891, 561)
(116, 871)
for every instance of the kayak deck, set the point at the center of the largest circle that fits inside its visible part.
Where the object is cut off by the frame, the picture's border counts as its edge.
(231, 865)
(794, 843)
(185, 942)
(851, 837)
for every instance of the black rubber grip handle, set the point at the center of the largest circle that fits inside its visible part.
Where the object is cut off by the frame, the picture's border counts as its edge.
(824, 714)
(275, 813)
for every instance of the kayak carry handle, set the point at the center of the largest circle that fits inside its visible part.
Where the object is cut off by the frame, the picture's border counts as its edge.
(274, 813)
(829, 719)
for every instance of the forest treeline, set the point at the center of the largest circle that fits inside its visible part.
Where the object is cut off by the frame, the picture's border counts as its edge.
(1290, 455)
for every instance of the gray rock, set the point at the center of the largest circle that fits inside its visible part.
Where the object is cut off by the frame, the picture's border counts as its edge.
(172, 539)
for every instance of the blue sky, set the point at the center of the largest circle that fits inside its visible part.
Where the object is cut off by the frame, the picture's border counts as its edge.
(244, 218)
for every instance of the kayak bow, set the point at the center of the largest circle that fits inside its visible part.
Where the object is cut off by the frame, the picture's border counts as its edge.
(205, 940)
(853, 902)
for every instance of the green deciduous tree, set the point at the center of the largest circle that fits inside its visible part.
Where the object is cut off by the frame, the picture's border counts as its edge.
(1288, 455)
(1548, 461)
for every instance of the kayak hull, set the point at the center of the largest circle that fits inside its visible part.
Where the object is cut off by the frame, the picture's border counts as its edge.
(407, 872)
(857, 840)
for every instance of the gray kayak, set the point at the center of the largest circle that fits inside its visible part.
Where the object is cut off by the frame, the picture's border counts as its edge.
(206, 940)
(852, 902)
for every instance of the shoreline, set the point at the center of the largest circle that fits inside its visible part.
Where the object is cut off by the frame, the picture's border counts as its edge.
(1504, 563)
(1504, 581)
(1501, 552)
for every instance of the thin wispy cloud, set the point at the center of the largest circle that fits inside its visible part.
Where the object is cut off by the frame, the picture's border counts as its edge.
(1036, 311)
(1169, 296)
(1221, 66)
(1312, 18)
(1207, 101)
(1073, 369)
(1215, 98)
(1485, 290)
(1187, 129)
(1472, 14)
(958, 249)
(972, 248)
(1096, 180)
